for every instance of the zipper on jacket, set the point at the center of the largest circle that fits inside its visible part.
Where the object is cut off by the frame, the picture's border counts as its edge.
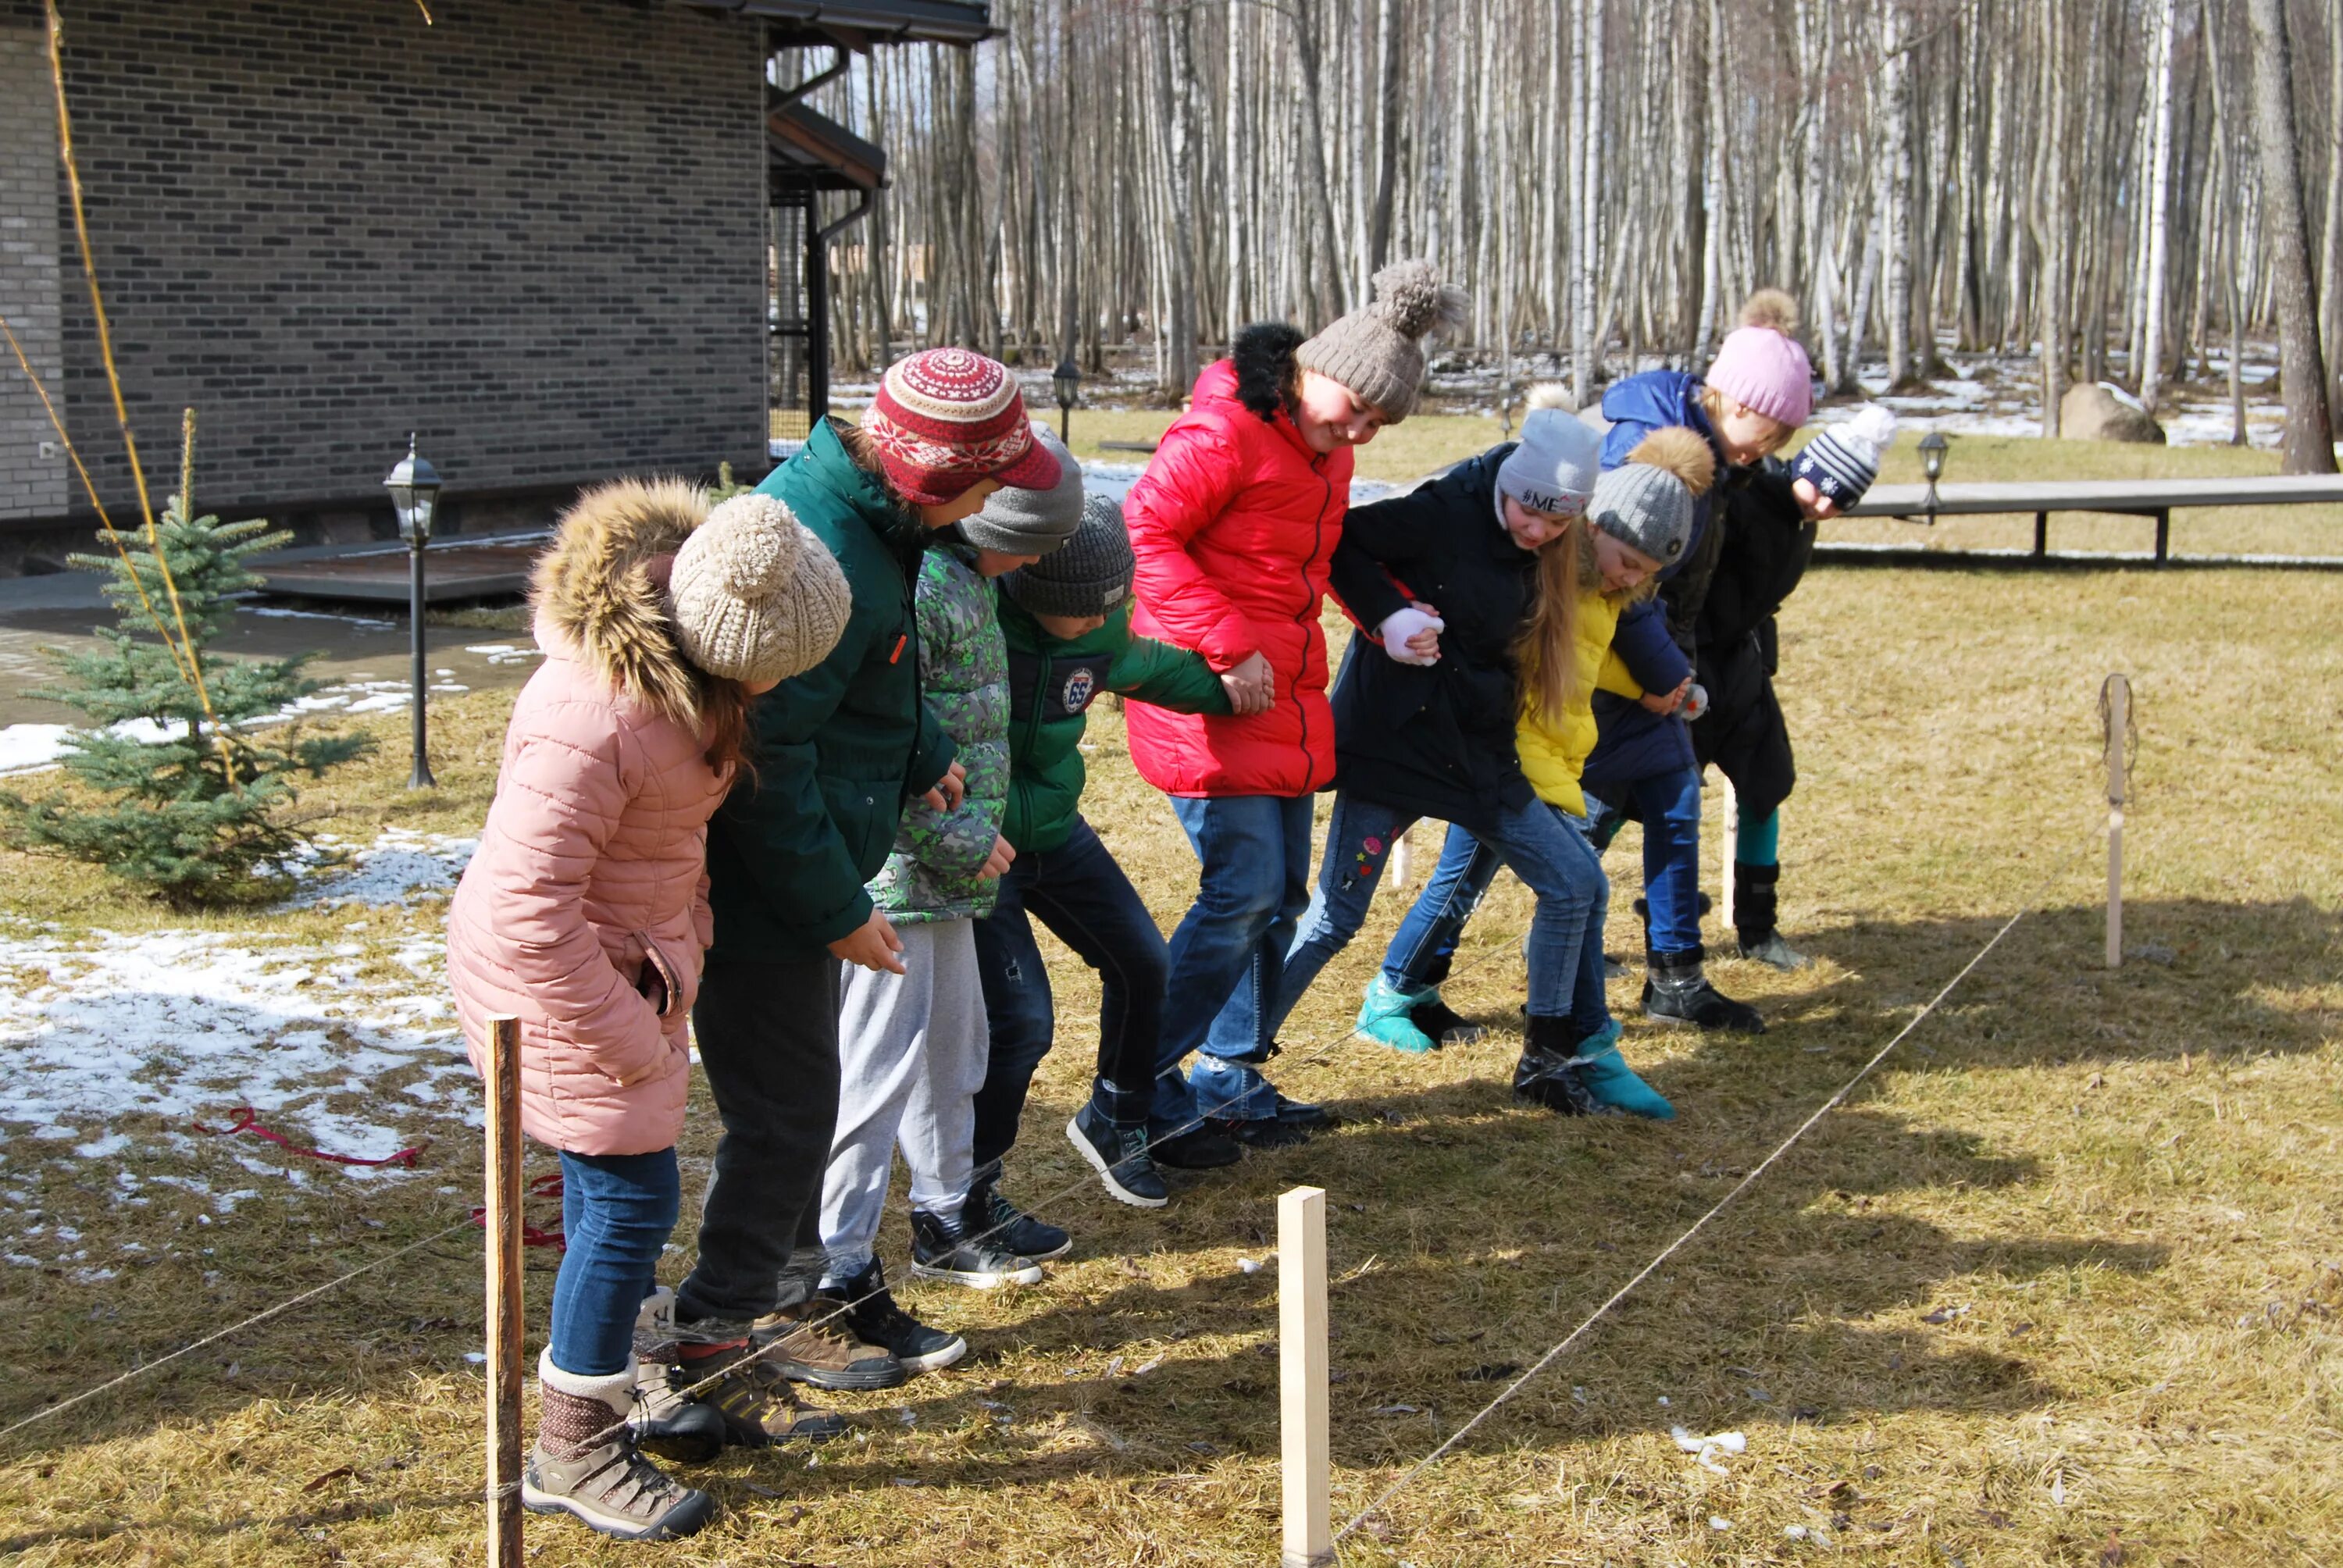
(1301, 620)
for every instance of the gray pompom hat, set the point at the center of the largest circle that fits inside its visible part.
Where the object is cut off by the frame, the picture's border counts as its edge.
(755, 594)
(1645, 506)
(1090, 576)
(1377, 351)
(1031, 522)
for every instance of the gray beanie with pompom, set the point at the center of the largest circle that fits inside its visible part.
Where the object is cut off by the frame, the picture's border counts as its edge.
(1377, 351)
(755, 594)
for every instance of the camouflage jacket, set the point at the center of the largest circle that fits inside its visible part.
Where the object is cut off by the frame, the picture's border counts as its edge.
(964, 678)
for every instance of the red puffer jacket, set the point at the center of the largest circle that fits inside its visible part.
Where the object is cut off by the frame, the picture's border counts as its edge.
(1233, 525)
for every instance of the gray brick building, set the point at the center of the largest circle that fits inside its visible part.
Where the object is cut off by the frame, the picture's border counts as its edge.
(535, 233)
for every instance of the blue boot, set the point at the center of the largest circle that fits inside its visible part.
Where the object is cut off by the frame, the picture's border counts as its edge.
(1611, 1083)
(1384, 1018)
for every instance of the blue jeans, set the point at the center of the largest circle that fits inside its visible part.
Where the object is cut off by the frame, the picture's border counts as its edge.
(1080, 893)
(1227, 953)
(1668, 805)
(618, 1212)
(1547, 850)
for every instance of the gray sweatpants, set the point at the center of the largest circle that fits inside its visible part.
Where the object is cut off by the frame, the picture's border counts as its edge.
(912, 1056)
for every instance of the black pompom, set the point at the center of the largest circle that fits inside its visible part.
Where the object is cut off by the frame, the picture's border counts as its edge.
(1266, 371)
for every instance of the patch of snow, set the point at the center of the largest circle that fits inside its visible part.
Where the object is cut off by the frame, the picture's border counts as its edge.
(280, 612)
(504, 653)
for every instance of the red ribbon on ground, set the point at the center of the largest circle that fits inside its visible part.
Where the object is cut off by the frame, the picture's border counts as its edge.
(546, 1186)
(247, 1120)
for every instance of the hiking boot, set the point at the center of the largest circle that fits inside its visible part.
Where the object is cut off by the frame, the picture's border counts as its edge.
(944, 1247)
(1774, 953)
(814, 1343)
(1384, 1018)
(1011, 1226)
(1200, 1148)
(1676, 991)
(1444, 1024)
(753, 1398)
(1119, 1155)
(585, 1463)
(877, 1318)
(667, 1420)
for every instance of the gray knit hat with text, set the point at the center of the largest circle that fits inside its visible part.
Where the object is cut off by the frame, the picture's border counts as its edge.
(1553, 468)
(1648, 502)
(755, 594)
(1031, 522)
(1377, 351)
(1090, 576)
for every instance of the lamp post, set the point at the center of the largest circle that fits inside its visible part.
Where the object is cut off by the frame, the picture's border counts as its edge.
(1933, 446)
(1067, 378)
(414, 487)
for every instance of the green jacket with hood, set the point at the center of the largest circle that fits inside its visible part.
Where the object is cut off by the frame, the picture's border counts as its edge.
(1051, 684)
(838, 751)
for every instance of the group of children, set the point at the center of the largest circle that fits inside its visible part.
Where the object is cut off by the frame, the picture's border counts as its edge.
(803, 769)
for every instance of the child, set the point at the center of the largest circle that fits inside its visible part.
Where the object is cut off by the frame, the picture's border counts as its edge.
(583, 913)
(1233, 526)
(1490, 736)
(912, 1043)
(839, 751)
(1768, 541)
(1757, 391)
(1067, 619)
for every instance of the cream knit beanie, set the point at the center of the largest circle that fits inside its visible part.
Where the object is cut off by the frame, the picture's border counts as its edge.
(1377, 351)
(756, 595)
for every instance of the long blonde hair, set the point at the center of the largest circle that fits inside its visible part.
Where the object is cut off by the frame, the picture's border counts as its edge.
(1545, 650)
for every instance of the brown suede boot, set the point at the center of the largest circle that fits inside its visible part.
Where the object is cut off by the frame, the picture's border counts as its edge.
(751, 1392)
(585, 1463)
(815, 1343)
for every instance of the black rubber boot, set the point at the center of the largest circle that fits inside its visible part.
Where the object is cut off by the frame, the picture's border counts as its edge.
(1755, 890)
(1676, 990)
(1547, 1074)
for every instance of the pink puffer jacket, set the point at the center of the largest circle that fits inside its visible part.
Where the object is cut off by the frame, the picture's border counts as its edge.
(585, 911)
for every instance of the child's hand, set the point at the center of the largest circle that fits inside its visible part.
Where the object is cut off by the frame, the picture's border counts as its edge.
(874, 946)
(1813, 502)
(1412, 636)
(1251, 686)
(1665, 703)
(949, 793)
(997, 863)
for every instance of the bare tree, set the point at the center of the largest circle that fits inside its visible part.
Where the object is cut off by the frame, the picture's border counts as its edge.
(2309, 433)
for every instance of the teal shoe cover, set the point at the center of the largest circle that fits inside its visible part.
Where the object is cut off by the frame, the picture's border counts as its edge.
(1382, 1018)
(1612, 1083)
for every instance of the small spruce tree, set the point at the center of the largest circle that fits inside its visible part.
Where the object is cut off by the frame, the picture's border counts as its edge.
(191, 803)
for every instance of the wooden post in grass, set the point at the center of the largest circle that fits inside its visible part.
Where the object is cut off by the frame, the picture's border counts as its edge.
(2116, 701)
(1302, 1357)
(503, 1220)
(1728, 850)
(1402, 856)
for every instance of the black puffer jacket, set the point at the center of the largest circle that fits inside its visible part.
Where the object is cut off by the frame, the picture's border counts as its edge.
(1767, 544)
(1437, 740)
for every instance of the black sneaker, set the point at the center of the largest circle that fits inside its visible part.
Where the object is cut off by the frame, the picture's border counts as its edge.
(1005, 1223)
(877, 1318)
(1299, 1113)
(1119, 1155)
(1262, 1132)
(1200, 1148)
(944, 1247)
(1444, 1024)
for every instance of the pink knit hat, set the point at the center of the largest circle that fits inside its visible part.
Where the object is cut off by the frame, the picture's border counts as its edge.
(1760, 365)
(946, 419)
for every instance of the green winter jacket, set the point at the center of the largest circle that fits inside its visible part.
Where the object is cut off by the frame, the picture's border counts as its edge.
(964, 677)
(1051, 685)
(839, 749)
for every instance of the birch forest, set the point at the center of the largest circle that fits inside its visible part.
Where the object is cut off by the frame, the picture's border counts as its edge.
(2120, 190)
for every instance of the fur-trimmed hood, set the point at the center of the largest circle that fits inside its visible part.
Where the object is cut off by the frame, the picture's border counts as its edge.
(600, 592)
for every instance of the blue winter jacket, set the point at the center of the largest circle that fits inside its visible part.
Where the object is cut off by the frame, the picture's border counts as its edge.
(1632, 742)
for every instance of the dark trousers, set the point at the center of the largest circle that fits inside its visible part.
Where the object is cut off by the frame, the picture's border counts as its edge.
(1080, 894)
(768, 1035)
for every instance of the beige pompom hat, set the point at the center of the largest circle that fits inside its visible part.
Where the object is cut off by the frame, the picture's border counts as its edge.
(755, 594)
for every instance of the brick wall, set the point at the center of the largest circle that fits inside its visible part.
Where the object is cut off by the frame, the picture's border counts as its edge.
(33, 475)
(531, 233)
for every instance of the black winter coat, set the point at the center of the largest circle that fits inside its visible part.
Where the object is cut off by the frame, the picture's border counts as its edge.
(1767, 544)
(1435, 739)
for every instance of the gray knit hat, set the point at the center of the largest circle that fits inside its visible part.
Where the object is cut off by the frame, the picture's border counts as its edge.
(755, 594)
(1090, 576)
(1377, 351)
(1031, 522)
(1647, 502)
(1553, 468)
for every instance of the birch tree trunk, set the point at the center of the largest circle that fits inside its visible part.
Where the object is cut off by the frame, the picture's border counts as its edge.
(1896, 191)
(2160, 201)
(2310, 445)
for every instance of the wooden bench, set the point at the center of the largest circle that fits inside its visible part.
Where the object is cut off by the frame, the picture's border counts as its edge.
(2157, 499)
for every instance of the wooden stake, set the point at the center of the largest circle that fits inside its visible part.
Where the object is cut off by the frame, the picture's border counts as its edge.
(1728, 849)
(1402, 857)
(504, 1237)
(1301, 1354)
(2117, 704)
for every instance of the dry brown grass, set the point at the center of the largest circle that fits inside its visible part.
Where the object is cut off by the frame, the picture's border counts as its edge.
(2127, 1179)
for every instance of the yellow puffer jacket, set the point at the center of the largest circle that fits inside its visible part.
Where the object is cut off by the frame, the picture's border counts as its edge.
(1554, 754)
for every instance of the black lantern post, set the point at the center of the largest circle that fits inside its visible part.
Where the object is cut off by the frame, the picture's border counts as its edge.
(1067, 378)
(414, 487)
(1933, 446)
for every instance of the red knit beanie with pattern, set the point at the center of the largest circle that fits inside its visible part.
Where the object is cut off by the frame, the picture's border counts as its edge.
(946, 419)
